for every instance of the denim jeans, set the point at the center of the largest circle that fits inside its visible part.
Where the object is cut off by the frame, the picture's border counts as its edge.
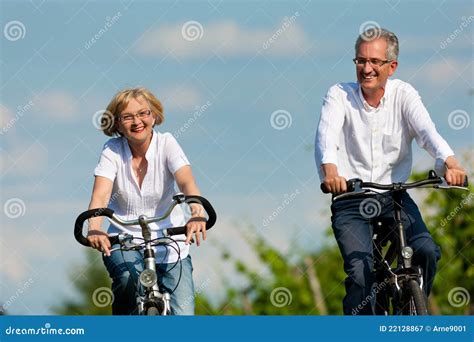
(353, 231)
(124, 269)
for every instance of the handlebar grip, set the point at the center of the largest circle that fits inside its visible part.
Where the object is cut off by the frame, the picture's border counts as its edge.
(207, 206)
(466, 182)
(324, 189)
(85, 216)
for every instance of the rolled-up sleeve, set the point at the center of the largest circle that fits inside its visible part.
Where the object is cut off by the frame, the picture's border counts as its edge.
(329, 130)
(175, 157)
(423, 128)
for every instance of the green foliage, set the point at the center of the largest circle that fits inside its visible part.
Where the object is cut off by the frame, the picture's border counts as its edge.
(91, 282)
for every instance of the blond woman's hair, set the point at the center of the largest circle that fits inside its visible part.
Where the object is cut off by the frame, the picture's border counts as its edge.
(110, 118)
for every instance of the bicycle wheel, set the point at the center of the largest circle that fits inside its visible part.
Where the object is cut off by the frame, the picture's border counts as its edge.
(415, 303)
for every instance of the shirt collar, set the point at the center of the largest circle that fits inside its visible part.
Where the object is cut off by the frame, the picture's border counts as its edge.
(150, 153)
(383, 100)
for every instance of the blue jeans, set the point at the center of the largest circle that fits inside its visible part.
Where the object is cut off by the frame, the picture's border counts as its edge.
(125, 267)
(353, 232)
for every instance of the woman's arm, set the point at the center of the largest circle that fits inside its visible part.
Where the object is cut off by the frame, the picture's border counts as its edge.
(100, 199)
(186, 183)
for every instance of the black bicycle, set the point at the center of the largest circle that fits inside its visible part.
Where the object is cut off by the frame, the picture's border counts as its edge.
(151, 301)
(398, 288)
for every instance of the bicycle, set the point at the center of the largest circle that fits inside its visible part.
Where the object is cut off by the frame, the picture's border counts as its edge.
(404, 294)
(152, 302)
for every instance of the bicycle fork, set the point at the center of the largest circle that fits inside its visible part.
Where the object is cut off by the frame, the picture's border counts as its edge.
(149, 278)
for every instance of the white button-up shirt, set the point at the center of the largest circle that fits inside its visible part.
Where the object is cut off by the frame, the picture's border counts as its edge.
(374, 144)
(128, 201)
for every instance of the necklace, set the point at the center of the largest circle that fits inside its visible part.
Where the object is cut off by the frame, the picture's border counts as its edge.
(139, 169)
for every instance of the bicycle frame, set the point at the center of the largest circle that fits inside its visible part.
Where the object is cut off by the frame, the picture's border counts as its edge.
(148, 278)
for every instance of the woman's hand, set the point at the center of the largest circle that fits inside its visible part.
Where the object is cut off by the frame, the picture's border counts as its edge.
(99, 240)
(196, 225)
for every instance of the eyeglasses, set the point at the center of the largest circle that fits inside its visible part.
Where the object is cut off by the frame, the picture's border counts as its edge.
(373, 61)
(126, 118)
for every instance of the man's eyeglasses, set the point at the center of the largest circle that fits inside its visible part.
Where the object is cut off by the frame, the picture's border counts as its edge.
(126, 118)
(373, 61)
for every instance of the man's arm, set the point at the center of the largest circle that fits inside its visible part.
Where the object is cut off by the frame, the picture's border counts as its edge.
(429, 139)
(327, 138)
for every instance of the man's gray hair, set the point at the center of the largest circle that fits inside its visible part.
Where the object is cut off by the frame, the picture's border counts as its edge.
(375, 33)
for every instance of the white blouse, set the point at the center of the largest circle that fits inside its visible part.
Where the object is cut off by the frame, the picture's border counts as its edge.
(165, 157)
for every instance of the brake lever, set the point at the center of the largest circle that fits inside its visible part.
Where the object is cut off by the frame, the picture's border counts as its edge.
(444, 185)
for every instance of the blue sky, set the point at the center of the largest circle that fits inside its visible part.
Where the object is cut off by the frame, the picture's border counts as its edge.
(61, 62)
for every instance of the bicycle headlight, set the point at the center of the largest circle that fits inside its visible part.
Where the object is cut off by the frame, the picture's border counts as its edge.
(148, 278)
(407, 252)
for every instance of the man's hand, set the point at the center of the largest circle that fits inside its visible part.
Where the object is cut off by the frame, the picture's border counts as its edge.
(333, 182)
(455, 173)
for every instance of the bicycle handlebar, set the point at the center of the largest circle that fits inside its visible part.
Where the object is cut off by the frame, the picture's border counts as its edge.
(109, 213)
(433, 179)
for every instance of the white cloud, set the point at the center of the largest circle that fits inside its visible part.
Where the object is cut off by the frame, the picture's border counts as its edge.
(56, 105)
(180, 98)
(224, 38)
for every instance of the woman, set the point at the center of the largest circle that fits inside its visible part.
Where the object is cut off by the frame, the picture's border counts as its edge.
(136, 175)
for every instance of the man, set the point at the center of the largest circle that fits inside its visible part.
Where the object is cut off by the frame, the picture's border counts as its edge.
(365, 131)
